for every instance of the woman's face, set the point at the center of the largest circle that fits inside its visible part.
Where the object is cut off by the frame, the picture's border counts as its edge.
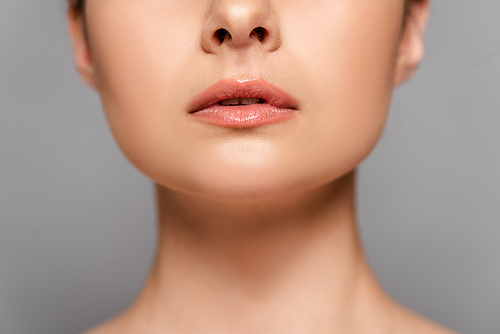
(337, 61)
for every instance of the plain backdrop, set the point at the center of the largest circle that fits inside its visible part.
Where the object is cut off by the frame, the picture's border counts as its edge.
(77, 221)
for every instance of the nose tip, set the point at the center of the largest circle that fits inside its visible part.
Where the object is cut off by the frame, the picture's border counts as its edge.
(240, 23)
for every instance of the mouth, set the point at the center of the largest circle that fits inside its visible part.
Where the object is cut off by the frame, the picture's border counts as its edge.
(242, 103)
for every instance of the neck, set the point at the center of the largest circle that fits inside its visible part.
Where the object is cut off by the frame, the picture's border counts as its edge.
(292, 264)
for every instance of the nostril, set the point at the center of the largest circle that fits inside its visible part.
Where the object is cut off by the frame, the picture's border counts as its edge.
(222, 34)
(259, 32)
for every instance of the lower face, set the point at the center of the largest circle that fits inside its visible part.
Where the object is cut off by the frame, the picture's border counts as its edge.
(335, 58)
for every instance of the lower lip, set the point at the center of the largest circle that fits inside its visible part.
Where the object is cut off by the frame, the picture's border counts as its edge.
(242, 116)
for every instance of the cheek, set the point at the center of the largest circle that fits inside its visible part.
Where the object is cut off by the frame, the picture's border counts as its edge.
(346, 53)
(142, 52)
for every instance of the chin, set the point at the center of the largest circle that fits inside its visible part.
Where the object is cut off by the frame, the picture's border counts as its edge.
(247, 183)
(236, 185)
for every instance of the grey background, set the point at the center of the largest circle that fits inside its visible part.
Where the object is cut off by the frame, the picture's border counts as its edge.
(77, 222)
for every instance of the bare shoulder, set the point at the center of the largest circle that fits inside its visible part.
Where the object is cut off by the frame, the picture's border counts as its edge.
(424, 326)
(408, 322)
(400, 321)
(104, 329)
(114, 326)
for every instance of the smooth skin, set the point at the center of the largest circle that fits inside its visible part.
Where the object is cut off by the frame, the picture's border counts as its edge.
(257, 226)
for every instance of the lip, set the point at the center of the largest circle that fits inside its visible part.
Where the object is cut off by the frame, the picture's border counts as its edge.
(278, 105)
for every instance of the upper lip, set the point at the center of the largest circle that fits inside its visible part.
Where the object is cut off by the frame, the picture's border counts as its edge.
(232, 88)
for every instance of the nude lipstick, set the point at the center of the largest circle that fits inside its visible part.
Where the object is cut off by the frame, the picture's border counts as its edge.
(242, 103)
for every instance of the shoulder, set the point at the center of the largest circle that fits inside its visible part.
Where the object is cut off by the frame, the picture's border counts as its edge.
(427, 327)
(408, 322)
(103, 329)
(113, 326)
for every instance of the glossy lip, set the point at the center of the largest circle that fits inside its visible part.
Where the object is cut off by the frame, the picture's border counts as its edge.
(278, 106)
